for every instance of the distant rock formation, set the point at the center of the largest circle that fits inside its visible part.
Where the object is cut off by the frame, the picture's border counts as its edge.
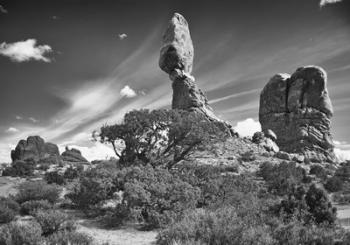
(36, 149)
(298, 110)
(73, 156)
(176, 59)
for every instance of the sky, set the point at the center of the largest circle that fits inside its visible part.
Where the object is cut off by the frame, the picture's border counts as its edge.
(69, 67)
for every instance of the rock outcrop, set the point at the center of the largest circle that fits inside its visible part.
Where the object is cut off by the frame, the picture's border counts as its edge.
(298, 110)
(73, 156)
(36, 149)
(176, 59)
(266, 141)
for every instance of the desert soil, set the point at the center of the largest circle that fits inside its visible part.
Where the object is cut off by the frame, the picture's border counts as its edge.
(124, 236)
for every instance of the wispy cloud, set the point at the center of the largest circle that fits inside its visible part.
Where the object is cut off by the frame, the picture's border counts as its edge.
(25, 51)
(12, 130)
(122, 36)
(127, 92)
(325, 2)
(33, 119)
(3, 10)
(19, 117)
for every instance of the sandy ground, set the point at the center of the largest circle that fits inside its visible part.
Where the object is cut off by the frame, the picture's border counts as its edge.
(123, 236)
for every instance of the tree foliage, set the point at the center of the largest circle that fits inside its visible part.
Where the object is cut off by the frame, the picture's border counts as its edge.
(159, 137)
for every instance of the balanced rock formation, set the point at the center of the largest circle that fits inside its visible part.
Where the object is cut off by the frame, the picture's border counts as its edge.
(34, 148)
(176, 59)
(298, 110)
(73, 156)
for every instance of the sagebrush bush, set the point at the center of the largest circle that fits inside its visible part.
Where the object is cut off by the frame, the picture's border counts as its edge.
(334, 184)
(20, 233)
(53, 177)
(68, 238)
(37, 190)
(282, 178)
(160, 195)
(8, 209)
(222, 226)
(93, 187)
(51, 221)
(318, 171)
(30, 207)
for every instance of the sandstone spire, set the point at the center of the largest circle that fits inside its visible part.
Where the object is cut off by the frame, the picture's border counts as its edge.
(298, 110)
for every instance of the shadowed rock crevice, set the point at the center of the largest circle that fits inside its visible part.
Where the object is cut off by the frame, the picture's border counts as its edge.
(298, 110)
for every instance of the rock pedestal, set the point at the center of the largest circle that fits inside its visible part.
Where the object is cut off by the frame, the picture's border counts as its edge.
(298, 110)
(176, 59)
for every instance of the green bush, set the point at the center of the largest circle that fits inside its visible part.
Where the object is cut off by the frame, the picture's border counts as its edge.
(222, 226)
(51, 221)
(318, 171)
(54, 177)
(159, 195)
(20, 168)
(20, 233)
(93, 187)
(319, 205)
(72, 173)
(334, 184)
(68, 238)
(30, 207)
(282, 178)
(6, 214)
(8, 209)
(37, 190)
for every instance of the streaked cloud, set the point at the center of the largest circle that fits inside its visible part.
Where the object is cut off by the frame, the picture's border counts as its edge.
(12, 130)
(25, 51)
(127, 92)
(3, 10)
(325, 2)
(34, 120)
(247, 127)
(122, 36)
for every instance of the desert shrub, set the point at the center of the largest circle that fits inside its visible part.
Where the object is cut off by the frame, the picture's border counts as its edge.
(30, 207)
(93, 187)
(308, 206)
(37, 190)
(20, 233)
(160, 196)
(68, 237)
(248, 156)
(319, 206)
(334, 184)
(6, 214)
(341, 198)
(9, 171)
(318, 171)
(283, 177)
(296, 232)
(343, 172)
(118, 215)
(222, 226)
(20, 168)
(8, 209)
(72, 173)
(51, 220)
(54, 177)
